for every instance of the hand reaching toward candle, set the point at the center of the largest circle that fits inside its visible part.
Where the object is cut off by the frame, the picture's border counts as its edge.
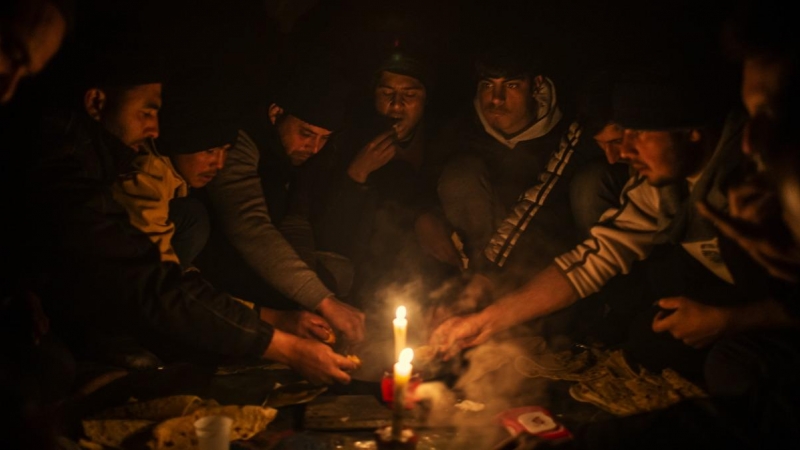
(301, 323)
(458, 333)
(344, 318)
(315, 361)
(476, 292)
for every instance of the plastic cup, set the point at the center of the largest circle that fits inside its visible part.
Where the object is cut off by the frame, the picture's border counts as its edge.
(213, 432)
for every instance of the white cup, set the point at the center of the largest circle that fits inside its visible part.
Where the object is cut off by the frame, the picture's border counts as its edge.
(213, 432)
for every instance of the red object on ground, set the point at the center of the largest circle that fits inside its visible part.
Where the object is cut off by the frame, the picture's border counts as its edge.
(534, 420)
(387, 389)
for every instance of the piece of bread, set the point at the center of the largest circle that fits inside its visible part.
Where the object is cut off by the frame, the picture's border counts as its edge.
(355, 359)
(113, 432)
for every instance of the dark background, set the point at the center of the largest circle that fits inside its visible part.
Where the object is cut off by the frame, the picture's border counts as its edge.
(255, 43)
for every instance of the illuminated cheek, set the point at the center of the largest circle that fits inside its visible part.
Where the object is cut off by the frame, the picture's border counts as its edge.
(484, 98)
(295, 145)
(381, 104)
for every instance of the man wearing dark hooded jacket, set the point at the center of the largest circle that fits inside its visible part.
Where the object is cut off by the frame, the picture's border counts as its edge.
(505, 189)
(99, 276)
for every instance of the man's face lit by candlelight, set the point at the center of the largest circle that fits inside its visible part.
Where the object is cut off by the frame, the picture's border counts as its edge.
(199, 168)
(609, 139)
(26, 46)
(130, 114)
(662, 157)
(403, 98)
(301, 140)
(507, 104)
(763, 80)
(766, 82)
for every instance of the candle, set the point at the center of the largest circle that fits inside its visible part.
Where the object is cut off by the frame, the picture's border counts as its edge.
(402, 373)
(400, 326)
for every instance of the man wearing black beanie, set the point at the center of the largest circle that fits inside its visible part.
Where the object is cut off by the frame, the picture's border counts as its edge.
(377, 184)
(261, 245)
(198, 128)
(196, 131)
(101, 280)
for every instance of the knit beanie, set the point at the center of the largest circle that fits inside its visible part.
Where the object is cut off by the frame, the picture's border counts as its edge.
(317, 93)
(198, 114)
(404, 61)
(664, 102)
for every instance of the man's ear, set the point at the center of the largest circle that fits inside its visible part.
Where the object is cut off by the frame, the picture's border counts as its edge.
(536, 83)
(94, 101)
(274, 112)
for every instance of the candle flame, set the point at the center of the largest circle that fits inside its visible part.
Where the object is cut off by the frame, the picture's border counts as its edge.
(401, 312)
(406, 356)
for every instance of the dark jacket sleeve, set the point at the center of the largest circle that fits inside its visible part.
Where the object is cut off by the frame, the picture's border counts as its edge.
(101, 273)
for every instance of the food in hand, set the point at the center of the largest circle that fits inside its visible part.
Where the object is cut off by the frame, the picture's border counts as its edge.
(355, 359)
(331, 339)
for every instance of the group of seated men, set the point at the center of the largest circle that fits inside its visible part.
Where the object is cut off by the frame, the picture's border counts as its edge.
(158, 222)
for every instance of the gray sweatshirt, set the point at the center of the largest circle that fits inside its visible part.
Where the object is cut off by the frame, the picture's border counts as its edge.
(242, 210)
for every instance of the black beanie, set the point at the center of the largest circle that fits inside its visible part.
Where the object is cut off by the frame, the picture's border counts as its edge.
(594, 100)
(401, 61)
(317, 93)
(664, 102)
(198, 114)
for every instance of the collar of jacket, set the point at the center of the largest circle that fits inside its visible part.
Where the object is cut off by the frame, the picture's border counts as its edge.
(114, 157)
(547, 118)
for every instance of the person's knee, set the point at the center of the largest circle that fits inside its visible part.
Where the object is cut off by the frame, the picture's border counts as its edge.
(192, 228)
(461, 178)
(194, 216)
(732, 366)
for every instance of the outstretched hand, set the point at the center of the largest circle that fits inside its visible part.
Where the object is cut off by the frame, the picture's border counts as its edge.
(477, 292)
(315, 361)
(304, 324)
(458, 333)
(346, 319)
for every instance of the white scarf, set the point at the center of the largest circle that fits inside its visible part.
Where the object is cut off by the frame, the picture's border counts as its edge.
(547, 117)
